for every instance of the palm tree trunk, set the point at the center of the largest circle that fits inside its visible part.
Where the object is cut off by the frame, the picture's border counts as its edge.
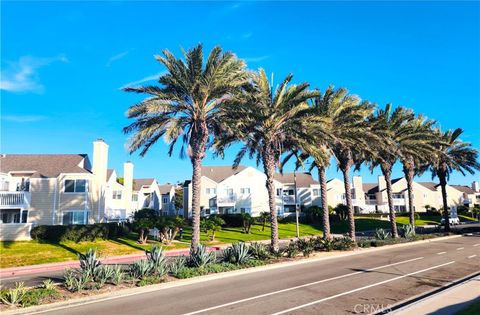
(198, 144)
(387, 172)
(348, 196)
(443, 183)
(269, 167)
(322, 178)
(408, 170)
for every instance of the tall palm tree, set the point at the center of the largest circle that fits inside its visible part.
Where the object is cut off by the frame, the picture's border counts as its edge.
(185, 106)
(350, 135)
(452, 154)
(267, 122)
(415, 153)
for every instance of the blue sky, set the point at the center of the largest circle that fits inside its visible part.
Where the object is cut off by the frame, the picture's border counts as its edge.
(63, 64)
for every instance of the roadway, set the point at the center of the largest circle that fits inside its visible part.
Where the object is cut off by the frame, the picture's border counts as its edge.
(362, 283)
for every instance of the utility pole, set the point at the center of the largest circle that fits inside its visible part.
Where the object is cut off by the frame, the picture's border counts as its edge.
(296, 203)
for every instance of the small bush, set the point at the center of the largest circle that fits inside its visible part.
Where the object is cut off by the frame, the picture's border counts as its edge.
(232, 220)
(306, 246)
(259, 251)
(176, 264)
(148, 280)
(381, 234)
(292, 249)
(48, 284)
(37, 296)
(407, 231)
(15, 295)
(117, 275)
(238, 253)
(343, 243)
(75, 279)
(141, 269)
(201, 257)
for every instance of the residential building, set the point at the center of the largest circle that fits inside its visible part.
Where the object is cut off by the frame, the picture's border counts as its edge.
(167, 192)
(242, 190)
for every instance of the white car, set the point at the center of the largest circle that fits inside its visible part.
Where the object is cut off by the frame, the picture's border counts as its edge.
(453, 221)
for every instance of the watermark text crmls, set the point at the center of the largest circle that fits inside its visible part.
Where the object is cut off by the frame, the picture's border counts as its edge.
(370, 308)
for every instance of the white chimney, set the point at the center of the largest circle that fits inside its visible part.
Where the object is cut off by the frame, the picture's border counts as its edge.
(128, 184)
(99, 170)
(476, 186)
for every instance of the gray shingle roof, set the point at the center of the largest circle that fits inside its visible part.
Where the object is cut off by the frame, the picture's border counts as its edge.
(430, 185)
(464, 189)
(220, 173)
(139, 182)
(303, 179)
(370, 188)
(44, 165)
(165, 189)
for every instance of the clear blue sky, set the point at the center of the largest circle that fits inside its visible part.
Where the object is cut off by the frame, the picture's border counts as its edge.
(63, 64)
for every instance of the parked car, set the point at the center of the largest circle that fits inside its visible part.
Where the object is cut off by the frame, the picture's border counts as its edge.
(453, 221)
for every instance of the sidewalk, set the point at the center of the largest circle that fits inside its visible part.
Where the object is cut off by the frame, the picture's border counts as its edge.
(446, 302)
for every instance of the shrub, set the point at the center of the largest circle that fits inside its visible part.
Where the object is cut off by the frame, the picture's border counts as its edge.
(176, 264)
(248, 220)
(147, 280)
(324, 244)
(117, 275)
(305, 246)
(343, 243)
(37, 296)
(341, 211)
(78, 232)
(292, 249)
(232, 220)
(14, 296)
(201, 257)
(259, 251)
(75, 280)
(407, 231)
(103, 274)
(48, 284)
(89, 262)
(313, 214)
(157, 259)
(381, 234)
(238, 253)
(141, 269)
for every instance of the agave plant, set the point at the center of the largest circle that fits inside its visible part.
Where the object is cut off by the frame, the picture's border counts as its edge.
(305, 246)
(89, 262)
(14, 296)
(117, 275)
(157, 259)
(238, 253)
(48, 284)
(259, 251)
(176, 264)
(140, 269)
(407, 231)
(201, 257)
(103, 274)
(381, 234)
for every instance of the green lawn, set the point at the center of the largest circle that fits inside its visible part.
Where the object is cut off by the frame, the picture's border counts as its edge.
(33, 252)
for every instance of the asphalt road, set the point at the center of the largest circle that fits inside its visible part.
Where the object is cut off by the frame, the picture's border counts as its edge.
(345, 285)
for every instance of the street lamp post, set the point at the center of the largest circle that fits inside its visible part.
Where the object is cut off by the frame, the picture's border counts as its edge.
(296, 203)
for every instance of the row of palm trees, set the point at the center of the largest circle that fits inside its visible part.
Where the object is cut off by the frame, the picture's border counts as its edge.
(214, 104)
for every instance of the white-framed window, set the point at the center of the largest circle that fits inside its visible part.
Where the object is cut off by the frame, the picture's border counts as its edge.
(211, 203)
(279, 191)
(135, 197)
(316, 192)
(288, 192)
(244, 191)
(117, 194)
(229, 191)
(165, 199)
(74, 217)
(211, 191)
(75, 185)
(397, 196)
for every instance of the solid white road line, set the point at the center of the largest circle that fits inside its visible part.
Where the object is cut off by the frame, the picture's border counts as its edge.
(471, 256)
(299, 286)
(441, 253)
(359, 289)
(476, 245)
(460, 248)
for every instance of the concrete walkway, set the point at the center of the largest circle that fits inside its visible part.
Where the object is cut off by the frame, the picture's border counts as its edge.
(446, 302)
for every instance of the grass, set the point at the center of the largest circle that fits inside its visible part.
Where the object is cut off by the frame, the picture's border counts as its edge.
(24, 253)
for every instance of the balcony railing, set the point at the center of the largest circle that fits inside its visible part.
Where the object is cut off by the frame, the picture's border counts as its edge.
(12, 199)
(371, 201)
(288, 199)
(226, 200)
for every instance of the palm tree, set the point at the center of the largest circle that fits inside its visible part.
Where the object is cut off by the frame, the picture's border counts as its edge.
(452, 154)
(267, 121)
(185, 106)
(414, 153)
(349, 136)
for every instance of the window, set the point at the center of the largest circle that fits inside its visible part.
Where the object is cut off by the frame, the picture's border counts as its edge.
(117, 194)
(211, 191)
(211, 203)
(75, 217)
(242, 210)
(134, 197)
(165, 199)
(229, 191)
(288, 192)
(75, 185)
(279, 191)
(316, 192)
(244, 190)
(397, 196)
(24, 216)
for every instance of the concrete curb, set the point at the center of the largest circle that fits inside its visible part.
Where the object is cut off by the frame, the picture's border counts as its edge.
(182, 282)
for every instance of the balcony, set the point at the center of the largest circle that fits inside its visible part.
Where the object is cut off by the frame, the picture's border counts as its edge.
(14, 199)
(226, 200)
(288, 199)
(371, 201)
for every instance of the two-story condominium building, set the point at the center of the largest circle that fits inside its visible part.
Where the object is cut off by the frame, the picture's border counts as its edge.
(372, 197)
(226, 191)
(147, 193)
(50, 189)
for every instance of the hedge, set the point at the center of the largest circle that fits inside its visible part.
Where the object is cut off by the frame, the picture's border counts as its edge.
(78, 233)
